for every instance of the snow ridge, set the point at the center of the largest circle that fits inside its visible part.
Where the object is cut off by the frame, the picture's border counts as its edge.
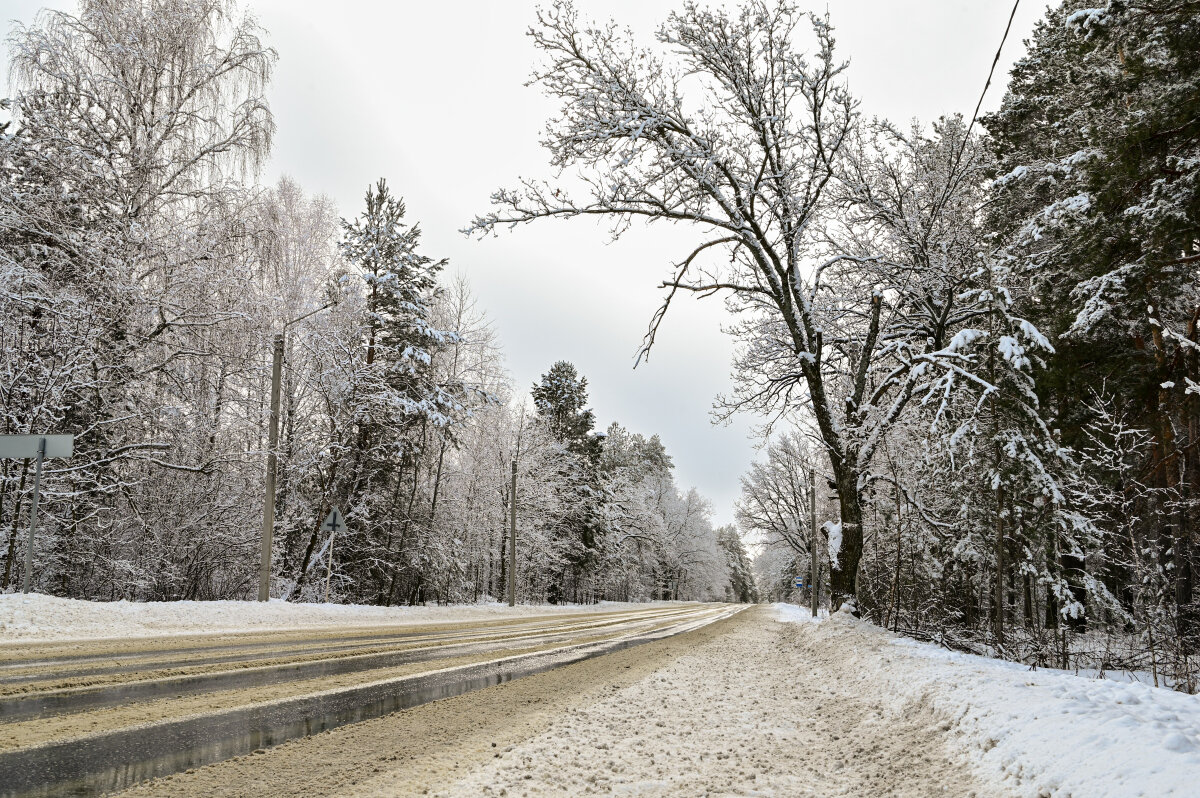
(1037, 733)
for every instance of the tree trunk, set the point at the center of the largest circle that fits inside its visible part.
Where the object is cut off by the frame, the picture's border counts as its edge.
(1168, 475)
(1053, 566)
(998, 618)
(1189, 520)
(843, 577)
(1028, 591)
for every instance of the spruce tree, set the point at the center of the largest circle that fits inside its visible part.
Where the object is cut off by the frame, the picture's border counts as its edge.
(401, 403)
(561, 400)
(1098, 198)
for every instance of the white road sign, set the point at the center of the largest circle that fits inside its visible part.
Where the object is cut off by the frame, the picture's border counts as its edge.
(334, 521)
(27, 445)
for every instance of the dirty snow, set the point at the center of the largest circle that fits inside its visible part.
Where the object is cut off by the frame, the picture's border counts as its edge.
(1033, 732)
(744, 713)
(37, 617)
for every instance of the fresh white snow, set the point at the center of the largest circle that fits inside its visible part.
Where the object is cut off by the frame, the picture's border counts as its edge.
(1035, 732)
(37, 617)
(833, 529)
(794, 614)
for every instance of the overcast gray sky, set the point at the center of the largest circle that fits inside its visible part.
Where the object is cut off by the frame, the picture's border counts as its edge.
(432, 97)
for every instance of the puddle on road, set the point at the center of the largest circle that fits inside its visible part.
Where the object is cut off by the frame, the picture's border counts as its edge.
(124, 758)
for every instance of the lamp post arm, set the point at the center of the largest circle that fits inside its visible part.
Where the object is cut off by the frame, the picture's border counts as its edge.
(326, 306)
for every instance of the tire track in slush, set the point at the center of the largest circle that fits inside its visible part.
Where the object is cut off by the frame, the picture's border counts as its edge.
(118, 758)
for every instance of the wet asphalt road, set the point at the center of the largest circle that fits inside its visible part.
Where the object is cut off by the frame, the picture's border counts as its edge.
(64, 707)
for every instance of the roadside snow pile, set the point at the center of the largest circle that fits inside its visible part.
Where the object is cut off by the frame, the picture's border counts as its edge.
(36, 617)
(790, 613)
(1035, 732)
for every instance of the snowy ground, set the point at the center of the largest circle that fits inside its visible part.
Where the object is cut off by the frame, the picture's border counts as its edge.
(1034, 732)
(770, 702)
(842, 708)
(743, 713)
(35, 617)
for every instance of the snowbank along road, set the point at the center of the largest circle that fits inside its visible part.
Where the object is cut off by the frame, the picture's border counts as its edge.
(90, 717)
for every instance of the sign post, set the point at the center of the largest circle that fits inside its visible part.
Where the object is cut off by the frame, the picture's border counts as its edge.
(33, 508)
(333, 522)
(39, 447)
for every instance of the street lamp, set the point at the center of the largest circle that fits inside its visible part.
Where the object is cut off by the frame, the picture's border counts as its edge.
(268, 524)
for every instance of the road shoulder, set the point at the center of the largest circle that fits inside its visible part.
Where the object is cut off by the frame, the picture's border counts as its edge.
(745, 712)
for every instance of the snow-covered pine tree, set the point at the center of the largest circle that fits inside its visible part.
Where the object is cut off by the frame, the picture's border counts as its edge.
(399, 403)
(560, 397)
(741, 587)
(1013, 472)
(658, 541)
(1099, 195)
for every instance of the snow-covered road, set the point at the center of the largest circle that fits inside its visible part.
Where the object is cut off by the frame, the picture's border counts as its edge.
(735, 708)
(761, 703)
(88, 716)
(744, 713)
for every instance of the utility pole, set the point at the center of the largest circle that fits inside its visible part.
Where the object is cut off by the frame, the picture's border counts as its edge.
(268, 524)
(512, 538)
(814, 547)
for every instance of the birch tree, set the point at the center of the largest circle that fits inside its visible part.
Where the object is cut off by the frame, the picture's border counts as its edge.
(147, 114)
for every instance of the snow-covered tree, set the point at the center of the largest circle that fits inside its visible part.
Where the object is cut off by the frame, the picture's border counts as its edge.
(1097, 201)
(741, 587)
(757, 146)
(133, 124)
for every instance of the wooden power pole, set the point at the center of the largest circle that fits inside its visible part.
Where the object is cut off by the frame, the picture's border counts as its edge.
(815, 548)
(268, 523)
(512, 538)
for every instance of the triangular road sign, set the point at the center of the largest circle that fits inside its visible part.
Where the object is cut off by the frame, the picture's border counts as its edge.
(334, 521)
